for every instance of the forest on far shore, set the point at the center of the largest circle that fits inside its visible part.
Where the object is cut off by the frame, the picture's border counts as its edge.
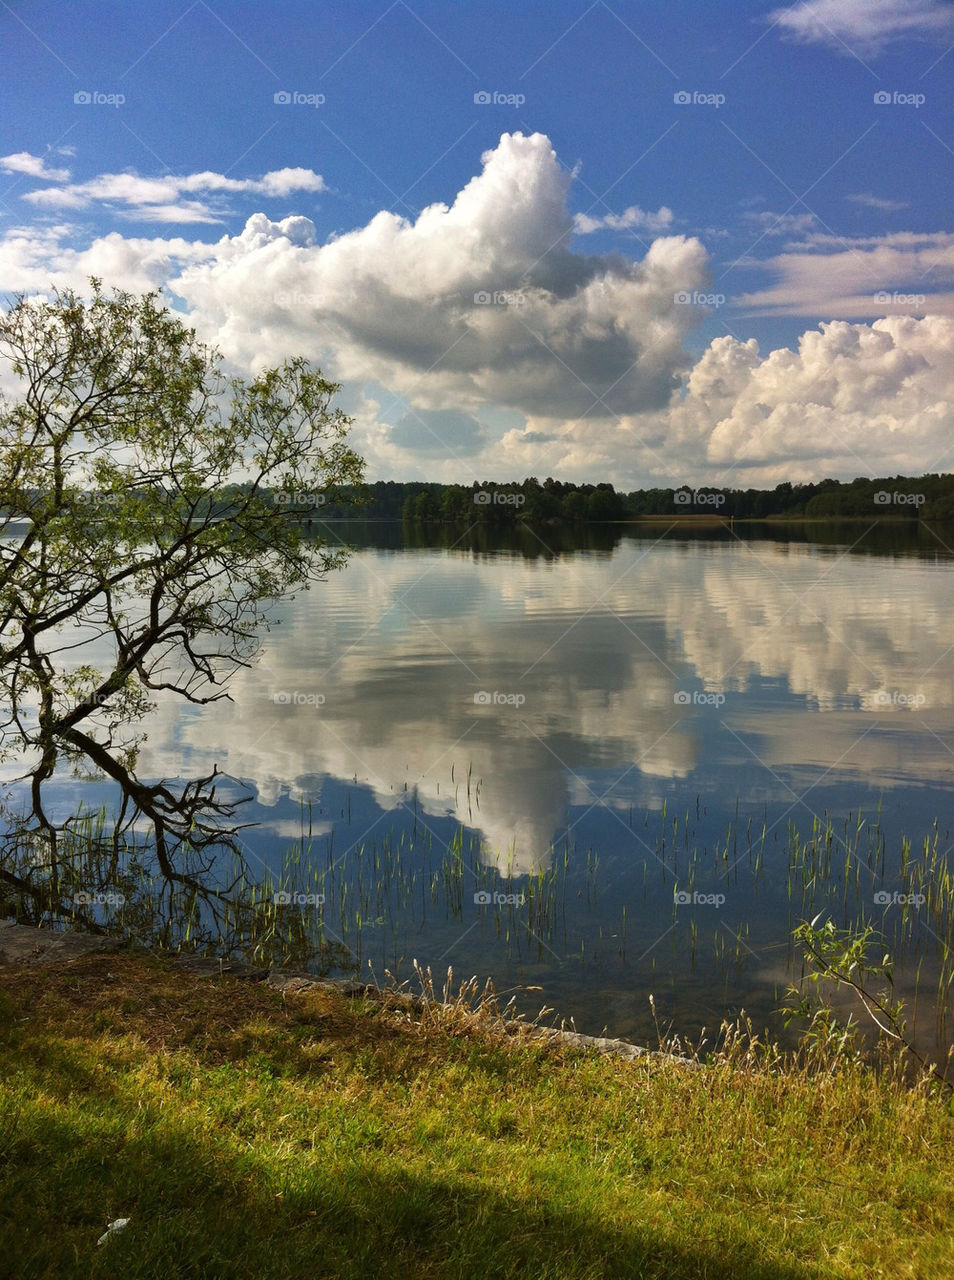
(928, 497)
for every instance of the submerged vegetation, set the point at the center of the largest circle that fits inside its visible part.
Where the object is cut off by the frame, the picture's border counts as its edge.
(332, 901)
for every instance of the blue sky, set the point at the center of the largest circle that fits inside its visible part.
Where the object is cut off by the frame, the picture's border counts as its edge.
(652, 190)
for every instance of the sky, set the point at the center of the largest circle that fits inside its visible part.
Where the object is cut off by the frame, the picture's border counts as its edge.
(649, 243)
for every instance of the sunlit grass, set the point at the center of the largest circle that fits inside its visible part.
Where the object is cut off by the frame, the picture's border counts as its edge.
(247, 1134)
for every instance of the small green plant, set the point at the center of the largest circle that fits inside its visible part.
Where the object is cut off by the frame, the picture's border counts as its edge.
(843, 957)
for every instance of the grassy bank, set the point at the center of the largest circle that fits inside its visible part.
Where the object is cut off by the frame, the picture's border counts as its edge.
(250, 1134)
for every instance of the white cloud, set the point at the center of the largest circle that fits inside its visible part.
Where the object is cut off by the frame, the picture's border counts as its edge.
(280, 182)
(480, 302)
(32, 166)
(160, 199)
(183, 211)
(473, 342)
(859, 276)
(32, 259)
(631, 219)
(870, 201)
(854, 399)
(781, 224)
(864, 26)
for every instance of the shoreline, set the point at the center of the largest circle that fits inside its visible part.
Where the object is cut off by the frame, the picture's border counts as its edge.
(29, 945)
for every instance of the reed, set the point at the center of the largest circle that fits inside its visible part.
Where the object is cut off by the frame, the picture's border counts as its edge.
(331, 901)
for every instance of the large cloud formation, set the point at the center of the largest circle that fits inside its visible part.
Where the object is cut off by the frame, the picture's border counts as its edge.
(476, 340)
(853, 399)
(481, 302)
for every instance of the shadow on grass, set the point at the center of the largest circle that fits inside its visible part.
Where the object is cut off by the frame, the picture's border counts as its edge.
(82, 1143)
(200, 1208)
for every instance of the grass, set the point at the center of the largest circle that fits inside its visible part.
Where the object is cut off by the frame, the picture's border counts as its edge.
(247, 1134)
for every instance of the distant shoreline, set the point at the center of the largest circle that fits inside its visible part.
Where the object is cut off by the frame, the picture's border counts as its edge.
(704, 519)
(667, 519)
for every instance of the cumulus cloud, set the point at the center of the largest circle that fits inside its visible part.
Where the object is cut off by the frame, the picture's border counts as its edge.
(631, 219)
(162, 199)
(864, 26)
(853, 399)
(478, 302)
(32, 166)
(473, 340)
(32, 259)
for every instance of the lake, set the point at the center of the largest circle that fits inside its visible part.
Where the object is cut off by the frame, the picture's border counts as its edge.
(606, 765)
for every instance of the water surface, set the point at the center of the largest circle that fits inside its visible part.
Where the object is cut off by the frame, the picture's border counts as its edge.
(629, 738)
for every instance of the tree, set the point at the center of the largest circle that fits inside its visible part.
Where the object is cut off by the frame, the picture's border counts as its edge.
(604, 504)
(157, 503)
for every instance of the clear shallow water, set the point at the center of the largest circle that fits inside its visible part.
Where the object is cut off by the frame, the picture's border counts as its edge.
(599, 731)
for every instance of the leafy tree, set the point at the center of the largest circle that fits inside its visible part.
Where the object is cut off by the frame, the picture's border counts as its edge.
(574, 505)
(604, 504)
(151, 500)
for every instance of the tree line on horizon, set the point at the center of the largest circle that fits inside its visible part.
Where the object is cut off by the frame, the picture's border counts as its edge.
(926, 497)
(530, 501)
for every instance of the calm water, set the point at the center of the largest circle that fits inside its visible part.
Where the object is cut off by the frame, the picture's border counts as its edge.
(604, 731)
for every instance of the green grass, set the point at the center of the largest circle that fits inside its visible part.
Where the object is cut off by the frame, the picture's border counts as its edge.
(247, 1135)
